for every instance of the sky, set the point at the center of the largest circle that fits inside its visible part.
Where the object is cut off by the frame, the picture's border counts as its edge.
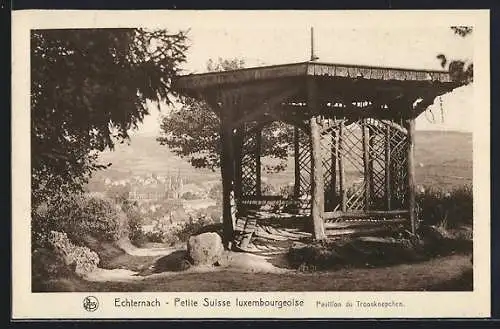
(288, 41)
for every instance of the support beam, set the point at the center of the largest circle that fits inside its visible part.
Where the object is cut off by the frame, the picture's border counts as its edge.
(258, 166)
(296, 152)
(387, 182)
(318, 189)
(343, 196)
(372, 156)
(333, 180)
(410, 126)
(227, 172)
(366, 162)
(238, 147)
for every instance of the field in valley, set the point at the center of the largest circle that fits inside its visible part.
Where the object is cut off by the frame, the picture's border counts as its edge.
(443, 160)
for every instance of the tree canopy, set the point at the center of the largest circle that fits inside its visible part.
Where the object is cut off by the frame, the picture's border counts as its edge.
(89, 87)
(459, 69)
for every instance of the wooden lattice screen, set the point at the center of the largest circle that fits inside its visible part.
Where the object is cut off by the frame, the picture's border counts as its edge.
(250, 161)
(364, 165)
(303, 170)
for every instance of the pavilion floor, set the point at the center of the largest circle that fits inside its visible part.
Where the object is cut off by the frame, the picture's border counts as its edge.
(275, 232)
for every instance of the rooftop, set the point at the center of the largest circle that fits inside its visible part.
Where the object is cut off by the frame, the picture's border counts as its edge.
(336, 84)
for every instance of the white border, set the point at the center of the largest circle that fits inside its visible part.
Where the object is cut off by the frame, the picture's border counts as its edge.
(418, 304)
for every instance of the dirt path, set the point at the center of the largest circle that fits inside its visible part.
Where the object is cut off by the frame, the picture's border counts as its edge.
(132, 250)
(169, 264)
(254, 273)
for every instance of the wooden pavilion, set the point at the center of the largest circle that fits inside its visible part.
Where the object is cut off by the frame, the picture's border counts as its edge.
(353, 138)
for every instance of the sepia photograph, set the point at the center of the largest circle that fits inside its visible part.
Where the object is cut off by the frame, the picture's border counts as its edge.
(292, 156)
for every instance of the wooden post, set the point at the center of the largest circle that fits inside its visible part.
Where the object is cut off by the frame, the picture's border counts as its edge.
(258, 169)
(371, 149)
(410, 126)
(238, 145)
(333, 170)
(296, 152)
(366, 162)
(343, 197)
(318, 189)
(227, 172)
(387, 182)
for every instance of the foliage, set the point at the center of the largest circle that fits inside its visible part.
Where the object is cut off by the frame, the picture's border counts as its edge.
(462, 30)
(134, 220)
(191, 227)
(78, 217)
(89, 87)
(192, 132)
(215, 192)
(47, 265)
(446, 208)
(82, 259)
(179, 232)
(459, 70)
(345, 253)
(189, 196)
(214, 213)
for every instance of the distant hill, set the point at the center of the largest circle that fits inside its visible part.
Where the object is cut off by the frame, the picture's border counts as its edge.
(144, 156)
(442, 159)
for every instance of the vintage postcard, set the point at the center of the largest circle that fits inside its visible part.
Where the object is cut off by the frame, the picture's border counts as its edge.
(250, 164)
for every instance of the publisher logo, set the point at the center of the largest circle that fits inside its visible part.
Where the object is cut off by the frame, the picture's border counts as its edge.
(90, 303)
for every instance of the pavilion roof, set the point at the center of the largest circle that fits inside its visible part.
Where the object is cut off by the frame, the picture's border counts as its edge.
(211, 79)
(336, 82)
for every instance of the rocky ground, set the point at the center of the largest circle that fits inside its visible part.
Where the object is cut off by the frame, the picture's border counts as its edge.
(203, 265)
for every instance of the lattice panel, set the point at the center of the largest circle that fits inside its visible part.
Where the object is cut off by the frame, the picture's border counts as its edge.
(328, 142)
(399, 172)
(305, 164)
(361, 145)
(377, 154)
(350, 147)
(249, 162)
(351, 150)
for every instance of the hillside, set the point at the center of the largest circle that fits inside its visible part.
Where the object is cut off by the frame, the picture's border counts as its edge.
(144, 156)
(443, 159)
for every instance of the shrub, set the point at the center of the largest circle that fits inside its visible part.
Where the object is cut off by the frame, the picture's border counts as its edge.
(60, 258)
(82, 259)
(47, 265)
(287, 191)
(192, 227)
(136, 234)
(214, 213)
(215, 192)
(178, 232)
(356, 252)
(269, 189)
(79, 216)
(448, 208)
(189, 196)
(134, 220)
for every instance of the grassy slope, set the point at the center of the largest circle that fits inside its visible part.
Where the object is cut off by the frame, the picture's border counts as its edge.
(450, 273)
(443, 159)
